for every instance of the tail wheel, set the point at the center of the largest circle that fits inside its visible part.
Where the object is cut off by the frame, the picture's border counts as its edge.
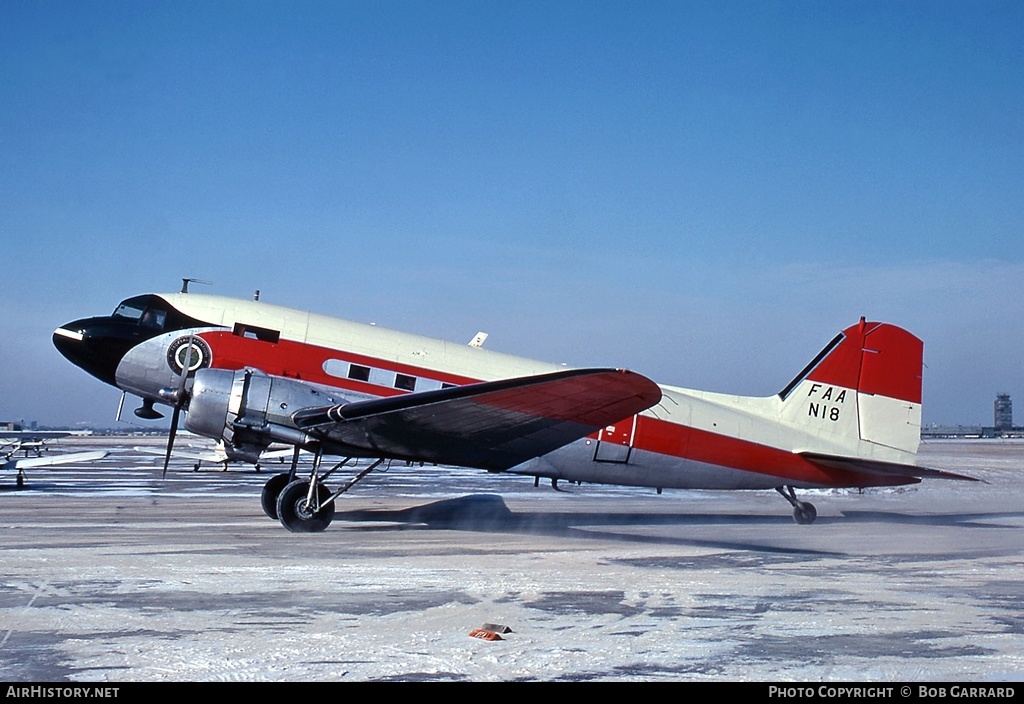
(295, 513)
(805, 513)
(271, 491)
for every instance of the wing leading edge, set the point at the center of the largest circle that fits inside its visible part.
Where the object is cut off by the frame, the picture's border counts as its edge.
(490, 425)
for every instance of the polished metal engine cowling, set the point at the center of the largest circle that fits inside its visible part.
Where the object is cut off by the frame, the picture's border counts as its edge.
(249, 409)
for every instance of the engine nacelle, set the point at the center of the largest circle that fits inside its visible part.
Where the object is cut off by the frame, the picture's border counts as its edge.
(248, 409)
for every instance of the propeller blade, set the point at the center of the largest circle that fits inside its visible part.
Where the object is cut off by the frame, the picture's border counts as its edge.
(180, 396)
(170, 437)
(184, 371)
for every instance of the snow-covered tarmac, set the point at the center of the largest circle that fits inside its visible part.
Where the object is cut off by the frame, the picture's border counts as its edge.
(111, 574)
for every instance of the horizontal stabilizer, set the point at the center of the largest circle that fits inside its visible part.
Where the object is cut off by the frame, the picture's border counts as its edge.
(875, 467)
(490, 425)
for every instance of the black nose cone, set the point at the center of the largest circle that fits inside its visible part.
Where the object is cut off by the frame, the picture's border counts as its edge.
(97, 345)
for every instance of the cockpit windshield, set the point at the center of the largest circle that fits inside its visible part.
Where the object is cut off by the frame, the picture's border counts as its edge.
(152, 315)
(144, 310)
(130, 310)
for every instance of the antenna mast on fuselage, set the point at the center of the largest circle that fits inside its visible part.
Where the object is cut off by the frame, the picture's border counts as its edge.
(186, 281)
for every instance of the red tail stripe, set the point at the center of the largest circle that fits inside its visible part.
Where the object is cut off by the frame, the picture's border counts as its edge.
(893, 360)
(875, 358)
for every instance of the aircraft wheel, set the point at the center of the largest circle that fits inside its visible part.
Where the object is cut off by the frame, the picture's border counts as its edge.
(271, 490)
(805, 513)
(20, 482)
(294, 513)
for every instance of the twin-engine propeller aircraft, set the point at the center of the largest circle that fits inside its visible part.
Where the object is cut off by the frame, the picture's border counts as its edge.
(249, 374)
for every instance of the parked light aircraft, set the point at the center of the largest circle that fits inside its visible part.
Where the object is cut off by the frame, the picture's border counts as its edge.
(15, 439)
(219, 454)
(50, 461)
(248, 373)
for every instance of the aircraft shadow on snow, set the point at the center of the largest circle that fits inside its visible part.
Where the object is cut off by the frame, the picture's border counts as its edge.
(489, 513)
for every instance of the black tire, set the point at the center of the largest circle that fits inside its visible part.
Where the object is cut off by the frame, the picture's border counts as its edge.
(271, 490)
(291, 508)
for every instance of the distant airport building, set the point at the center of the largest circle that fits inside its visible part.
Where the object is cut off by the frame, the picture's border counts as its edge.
(1003, 412)
(1002, 427)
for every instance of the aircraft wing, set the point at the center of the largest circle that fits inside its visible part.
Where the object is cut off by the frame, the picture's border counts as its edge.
(55, 460)
(891, 469)
(212, 456)
(490, 425)
(40, 434)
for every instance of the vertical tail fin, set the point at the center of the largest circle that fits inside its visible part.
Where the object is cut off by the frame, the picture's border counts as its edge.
(864, 387)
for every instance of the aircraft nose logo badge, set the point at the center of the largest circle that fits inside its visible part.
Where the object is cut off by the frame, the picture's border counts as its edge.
(178, 354)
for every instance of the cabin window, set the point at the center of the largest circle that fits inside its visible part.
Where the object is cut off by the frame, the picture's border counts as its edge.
(405, 382)
(358, 372)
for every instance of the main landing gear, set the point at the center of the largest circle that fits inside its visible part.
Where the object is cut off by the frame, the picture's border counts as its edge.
(301, 512)
(804, 512)
(294, 502)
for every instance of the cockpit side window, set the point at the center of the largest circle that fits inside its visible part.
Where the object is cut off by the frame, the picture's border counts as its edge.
(154, 318)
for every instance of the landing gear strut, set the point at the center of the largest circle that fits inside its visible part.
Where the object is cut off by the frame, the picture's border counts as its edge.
(804, 512)
(299, 507)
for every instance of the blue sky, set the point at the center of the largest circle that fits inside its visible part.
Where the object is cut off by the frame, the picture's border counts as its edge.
(705, 192)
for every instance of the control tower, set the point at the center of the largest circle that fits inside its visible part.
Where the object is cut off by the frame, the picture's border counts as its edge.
(1003, 412)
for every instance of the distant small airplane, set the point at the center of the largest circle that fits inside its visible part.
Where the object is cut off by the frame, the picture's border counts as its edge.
(20, 465)
(249, 373)
(14, 439)
(218, 455)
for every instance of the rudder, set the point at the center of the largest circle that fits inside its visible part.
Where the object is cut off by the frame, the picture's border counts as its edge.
(876, 365)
